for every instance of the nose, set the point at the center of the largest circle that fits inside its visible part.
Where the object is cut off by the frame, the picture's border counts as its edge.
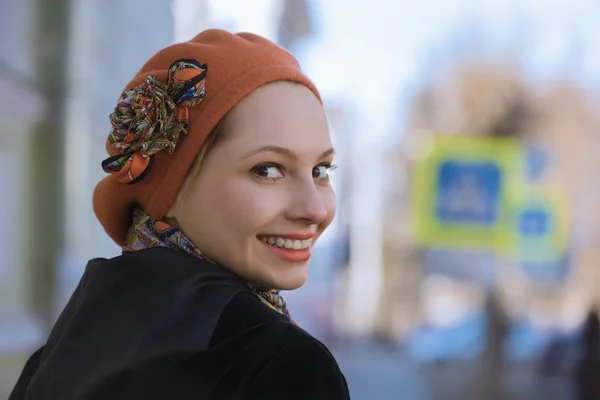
(308, 203)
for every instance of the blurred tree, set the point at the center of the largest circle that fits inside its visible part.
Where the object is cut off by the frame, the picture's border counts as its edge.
(294, 24)
(46, 152)
(470, 99)
(474, 99)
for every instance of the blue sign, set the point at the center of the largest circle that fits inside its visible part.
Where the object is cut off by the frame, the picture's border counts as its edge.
(468, 192)
(463, 265)
(536, 161)
(554, 271)
(534, 223)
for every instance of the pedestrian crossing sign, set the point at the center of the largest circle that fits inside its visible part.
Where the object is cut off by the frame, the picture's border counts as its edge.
(461, 191)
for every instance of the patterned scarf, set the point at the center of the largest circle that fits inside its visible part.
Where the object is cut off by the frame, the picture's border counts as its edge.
(146, 232)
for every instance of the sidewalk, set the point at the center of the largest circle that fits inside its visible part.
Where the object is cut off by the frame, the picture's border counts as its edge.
(378, 372)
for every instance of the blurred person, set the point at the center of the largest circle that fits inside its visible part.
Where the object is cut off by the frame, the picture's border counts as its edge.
(491, 364)
(219, 165)
(587, 385)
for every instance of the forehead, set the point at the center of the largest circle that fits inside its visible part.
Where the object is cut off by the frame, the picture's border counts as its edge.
(280, 113)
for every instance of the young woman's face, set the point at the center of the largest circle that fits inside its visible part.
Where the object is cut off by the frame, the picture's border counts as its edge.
(263, 197)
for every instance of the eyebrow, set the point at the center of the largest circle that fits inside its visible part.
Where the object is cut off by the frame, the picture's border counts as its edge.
(285, 152)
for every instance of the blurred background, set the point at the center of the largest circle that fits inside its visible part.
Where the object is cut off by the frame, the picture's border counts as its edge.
(464, 262)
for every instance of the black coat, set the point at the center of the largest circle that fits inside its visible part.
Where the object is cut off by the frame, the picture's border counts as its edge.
(161, 324)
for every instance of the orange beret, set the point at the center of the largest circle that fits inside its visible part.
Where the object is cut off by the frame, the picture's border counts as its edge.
(226, 68)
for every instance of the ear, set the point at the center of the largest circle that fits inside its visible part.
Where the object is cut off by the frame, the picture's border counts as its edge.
(170, 214)
(179, 199)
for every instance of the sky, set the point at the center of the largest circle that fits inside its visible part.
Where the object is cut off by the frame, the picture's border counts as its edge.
(393, 44)
(388, 41)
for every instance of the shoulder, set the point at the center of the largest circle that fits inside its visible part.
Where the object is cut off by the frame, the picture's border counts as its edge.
(299, 366)
(245, 313)
(271, 361)
(281, 360)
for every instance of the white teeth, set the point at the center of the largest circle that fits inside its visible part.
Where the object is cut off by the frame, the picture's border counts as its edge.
(286, 243)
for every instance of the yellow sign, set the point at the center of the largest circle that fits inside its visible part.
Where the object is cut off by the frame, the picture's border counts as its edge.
(462, 189)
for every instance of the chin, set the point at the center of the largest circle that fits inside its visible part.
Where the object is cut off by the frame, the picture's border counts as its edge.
(291, 281)
(291, 285)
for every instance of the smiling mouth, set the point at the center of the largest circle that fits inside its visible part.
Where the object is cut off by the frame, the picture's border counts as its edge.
(285, 243)
(289, 250)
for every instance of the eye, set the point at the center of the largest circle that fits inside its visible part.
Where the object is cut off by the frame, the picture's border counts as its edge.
(323, 171)
(270, 172)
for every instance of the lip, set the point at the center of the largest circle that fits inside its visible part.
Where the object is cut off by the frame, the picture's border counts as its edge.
(292, 236)
(289, 255)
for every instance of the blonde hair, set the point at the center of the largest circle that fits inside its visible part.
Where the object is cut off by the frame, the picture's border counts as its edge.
(211, 140)
(196, 166)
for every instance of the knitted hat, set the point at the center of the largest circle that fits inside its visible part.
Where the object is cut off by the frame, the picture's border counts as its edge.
(167, 111)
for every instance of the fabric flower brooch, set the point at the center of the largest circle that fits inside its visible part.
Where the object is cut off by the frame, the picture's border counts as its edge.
(150, 117)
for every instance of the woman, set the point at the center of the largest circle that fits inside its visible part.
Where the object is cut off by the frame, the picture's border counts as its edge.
(218, 187)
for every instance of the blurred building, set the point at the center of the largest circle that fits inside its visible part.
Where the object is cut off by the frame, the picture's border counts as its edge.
(22, 105)
(63, 65)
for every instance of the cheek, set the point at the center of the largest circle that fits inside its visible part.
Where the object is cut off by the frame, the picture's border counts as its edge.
(245, 208)
(331, 205)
